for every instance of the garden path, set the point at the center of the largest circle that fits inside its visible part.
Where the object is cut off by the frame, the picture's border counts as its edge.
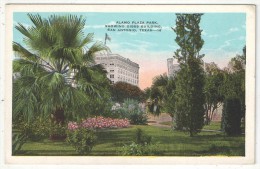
(157, 120)
(164, 117)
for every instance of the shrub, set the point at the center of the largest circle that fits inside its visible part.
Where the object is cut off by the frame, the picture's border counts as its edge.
(37, 129)
(18, 141)
(83, 140)
(119, 113)
(131, 110)
(99, 123)
(137, 117)
(141, 138)
(141, 145)
(231, 116)
(57, 131)
(139, 150)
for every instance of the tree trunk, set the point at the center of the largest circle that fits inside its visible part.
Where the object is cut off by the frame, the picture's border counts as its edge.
(58, 116)
(58, 121)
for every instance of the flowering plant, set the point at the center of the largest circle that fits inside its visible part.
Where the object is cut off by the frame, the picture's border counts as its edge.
(99, 123)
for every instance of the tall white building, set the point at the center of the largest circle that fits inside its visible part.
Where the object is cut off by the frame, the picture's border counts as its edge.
(172, 68)
(119, 68)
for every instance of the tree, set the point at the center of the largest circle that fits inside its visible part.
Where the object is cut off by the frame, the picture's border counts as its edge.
(188, 37)
(123, 90)
(233, 90)
(56, 72)
(190, 79)
(231, 118)
(190, 98)
(238, 63)
(162, 94)
(234, 80)
(213, 96)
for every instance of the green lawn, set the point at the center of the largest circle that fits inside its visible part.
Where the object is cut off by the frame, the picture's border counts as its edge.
(170, 143)
(212, 126)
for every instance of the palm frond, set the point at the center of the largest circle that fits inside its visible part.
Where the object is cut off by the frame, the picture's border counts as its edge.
(23, 52)
(88, 39)
(37, 20)
(53, 81)
(96, 47)
(23, 30)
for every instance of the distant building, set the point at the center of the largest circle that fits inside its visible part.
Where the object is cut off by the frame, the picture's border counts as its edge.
(172, 68)
(119, 69)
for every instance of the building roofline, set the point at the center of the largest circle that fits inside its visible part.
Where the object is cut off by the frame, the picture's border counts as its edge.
(119, 57)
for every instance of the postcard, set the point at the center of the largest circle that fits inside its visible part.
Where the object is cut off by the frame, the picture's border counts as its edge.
(130, 84)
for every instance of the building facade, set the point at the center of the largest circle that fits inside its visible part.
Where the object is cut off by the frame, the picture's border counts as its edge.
(172, 68)
(119, 69)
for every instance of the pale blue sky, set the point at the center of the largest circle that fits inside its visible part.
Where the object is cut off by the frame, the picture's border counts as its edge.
(224, 35)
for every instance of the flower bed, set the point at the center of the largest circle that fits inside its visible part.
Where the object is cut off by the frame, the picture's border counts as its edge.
(99, 123)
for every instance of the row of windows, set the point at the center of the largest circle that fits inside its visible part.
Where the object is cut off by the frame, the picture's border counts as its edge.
(128, 80)
(124, 72)
(121, 66)
(124, 79)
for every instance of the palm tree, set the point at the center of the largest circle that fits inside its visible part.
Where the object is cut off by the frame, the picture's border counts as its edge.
(162, 91)
(56, 73)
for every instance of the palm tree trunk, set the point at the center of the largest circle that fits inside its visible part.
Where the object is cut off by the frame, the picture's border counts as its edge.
(58, 116)
(58, 121)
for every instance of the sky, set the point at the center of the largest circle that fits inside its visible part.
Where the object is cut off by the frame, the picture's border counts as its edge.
(224, 36)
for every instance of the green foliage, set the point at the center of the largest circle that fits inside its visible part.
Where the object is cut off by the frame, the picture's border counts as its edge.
(190, 98)
(231, 116)
(168, 143)
(234, 87)
(141, 146)
(123, 90)
(37, 129)
(190, 79)
(188, 37)
(142, 138)
(57, 131)
(139, 150)
(212, 89)
(83, 140)
(234, 79)
(18, 141)
(56, 70)
(162, 95)
(131, 110)
(238, 63)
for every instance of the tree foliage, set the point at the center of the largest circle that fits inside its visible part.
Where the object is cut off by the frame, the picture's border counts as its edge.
(234, 80)
(190, 97)
(162, 95)
(56, 73)
(213, 96)
(190, 79)
(233, 90)
(231, 117)
(188, 37)
(123, 90)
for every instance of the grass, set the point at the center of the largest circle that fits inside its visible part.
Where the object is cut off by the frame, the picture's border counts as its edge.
(170, 143)
(214, 125)
(168, 123)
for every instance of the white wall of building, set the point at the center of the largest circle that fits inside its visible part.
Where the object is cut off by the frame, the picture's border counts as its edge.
(119, 68)
(172, 68)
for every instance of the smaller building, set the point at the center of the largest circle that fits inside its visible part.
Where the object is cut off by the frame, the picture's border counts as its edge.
(119, 68)
(172, 68)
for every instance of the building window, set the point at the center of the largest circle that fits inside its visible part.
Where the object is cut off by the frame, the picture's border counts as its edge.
(111, 64)
(111, 70)
(111, 76)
